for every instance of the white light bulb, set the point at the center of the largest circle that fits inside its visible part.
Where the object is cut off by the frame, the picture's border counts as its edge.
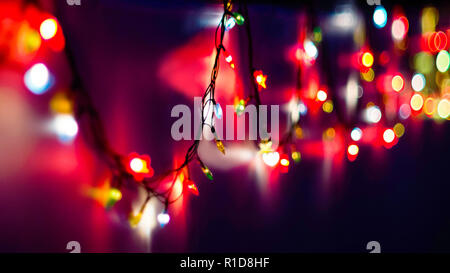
(388, 135)
(136, 165)
(66, 127)
(37, 79)
(163, 218)
(356, 134)
(373, 114)
(48, 29)
(271, 158)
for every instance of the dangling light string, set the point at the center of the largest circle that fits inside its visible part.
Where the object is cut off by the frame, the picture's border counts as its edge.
(85, 111)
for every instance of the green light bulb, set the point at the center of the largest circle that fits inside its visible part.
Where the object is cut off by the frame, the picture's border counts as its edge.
(239, 18)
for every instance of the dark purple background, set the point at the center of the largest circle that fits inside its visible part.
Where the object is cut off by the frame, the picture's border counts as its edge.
(402, 202)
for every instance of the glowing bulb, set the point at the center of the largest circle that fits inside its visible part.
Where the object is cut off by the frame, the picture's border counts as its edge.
(429, 106)
(418, 82)
(114, 195)
(356, 134)
(260, 79)
(239, 106)
(397, 83)
(218, 110)
(207, 172)
(310, 49)
(404, 111)
(231, 22)
(60, 103)
(163, 218)
(389, 135)
(327, 107)
(239, 18)
(329, 134)
(380, 17)
(399, 129)
(416, 102)
(134, 219)
(353, 150)
(302, 108)
(443, 108)
(37, 79)
(368, 76)
(296, 156)
(400, 28)
(220, 146)
(32, 41)
(65, 126)
(48, 29)
(271, 158)
(373, 114)
(443, 61)
(321, 95)
(137, 165)
(367, 59)
(192, 187)
(284, 161)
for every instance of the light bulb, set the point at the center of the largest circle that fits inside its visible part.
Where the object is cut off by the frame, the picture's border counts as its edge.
(65, 126)
(37, 79)
(271, 158)
(356, 134)
(48, 29)
(163, 218)
(388, 135)
(321, 95)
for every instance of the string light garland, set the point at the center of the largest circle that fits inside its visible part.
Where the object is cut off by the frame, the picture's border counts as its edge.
(138, 167)
(74, 109)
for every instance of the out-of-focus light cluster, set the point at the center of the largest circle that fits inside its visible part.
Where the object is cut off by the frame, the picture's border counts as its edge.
(416, 102)
(398, 83)
(400, 28)
(388, 135)
(442, 61)
(344, 18)
(443, 108)
(352, 152)
(372, 114)
(356, 134)
(405, 111)
(327, 106)
(321, 95)
(418, 82)
(65, 126)
(38, 79)
(310, 50)
(367, 59)
(380, 17)
(48, 29)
